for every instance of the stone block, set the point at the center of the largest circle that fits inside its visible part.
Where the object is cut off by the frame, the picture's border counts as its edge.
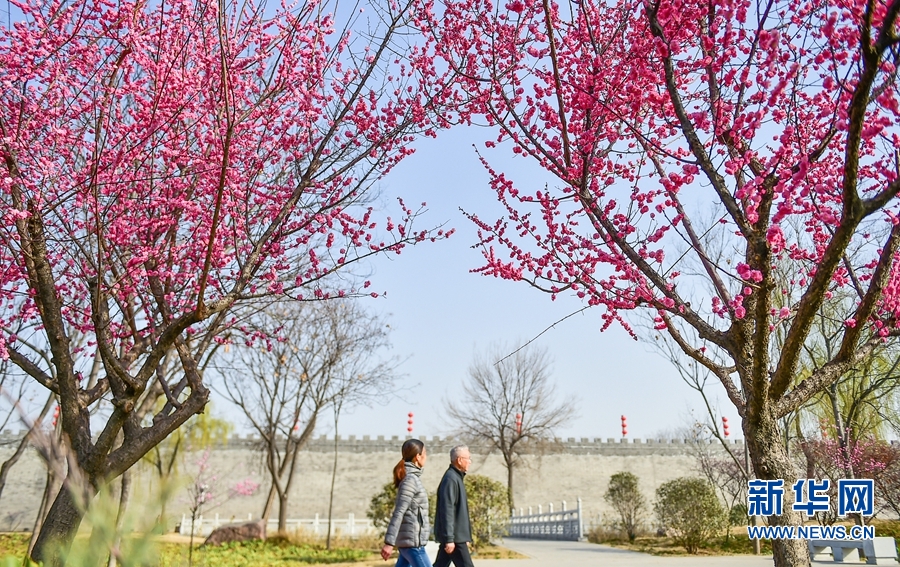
(241, 532)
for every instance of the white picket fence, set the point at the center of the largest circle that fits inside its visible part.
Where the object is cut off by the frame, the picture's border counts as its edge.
(345, 527)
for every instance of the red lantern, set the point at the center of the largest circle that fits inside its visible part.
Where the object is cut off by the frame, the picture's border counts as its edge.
(725, 426)
(409, 423)
(624, 427)
(518, 424)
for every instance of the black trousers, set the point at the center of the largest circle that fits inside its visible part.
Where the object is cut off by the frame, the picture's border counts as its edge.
(460, 557)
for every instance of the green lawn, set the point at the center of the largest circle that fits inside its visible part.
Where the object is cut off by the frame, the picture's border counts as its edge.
(253, 553)
(247, 554)
(13, 544)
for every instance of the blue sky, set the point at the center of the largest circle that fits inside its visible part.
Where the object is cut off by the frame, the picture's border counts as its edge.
(440, 313)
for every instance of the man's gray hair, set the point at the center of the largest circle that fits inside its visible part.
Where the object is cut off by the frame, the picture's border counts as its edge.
(455, 452)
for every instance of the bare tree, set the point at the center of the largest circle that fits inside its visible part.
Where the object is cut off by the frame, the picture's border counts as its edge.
(508, 402)
(200, 432)
(336, 409)
(13, 395)
(16, 396)
(304, 358)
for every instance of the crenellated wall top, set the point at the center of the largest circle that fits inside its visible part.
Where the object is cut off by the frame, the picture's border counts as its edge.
(436, 444)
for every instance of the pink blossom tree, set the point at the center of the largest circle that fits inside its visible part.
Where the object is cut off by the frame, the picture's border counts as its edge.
(204, 493)
(854, 458)
(699, 150)
(166, 164)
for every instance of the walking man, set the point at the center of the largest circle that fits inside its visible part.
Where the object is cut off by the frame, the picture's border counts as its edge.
(452, 529)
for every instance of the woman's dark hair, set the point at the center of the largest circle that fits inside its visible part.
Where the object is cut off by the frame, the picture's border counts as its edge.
(411, 449)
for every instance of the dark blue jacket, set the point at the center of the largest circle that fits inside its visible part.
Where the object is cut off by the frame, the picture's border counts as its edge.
(451, 522)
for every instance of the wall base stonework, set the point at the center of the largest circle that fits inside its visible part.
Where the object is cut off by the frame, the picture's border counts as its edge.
(565, 470)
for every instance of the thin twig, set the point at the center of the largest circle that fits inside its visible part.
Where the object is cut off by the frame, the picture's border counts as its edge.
(536, 337)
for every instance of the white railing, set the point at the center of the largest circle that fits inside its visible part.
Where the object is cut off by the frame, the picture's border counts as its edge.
(345, 527)
(559, 525)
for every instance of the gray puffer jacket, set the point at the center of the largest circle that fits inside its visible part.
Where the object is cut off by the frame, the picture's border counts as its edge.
(409, 526)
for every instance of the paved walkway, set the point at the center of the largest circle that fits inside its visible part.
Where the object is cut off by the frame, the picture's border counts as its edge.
(583, 554)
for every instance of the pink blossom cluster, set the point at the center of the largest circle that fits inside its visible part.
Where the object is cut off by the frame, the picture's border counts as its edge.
(644, 113)
(180, 156)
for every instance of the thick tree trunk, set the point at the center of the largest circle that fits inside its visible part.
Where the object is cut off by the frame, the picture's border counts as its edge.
(59, 528)
(771, 462)
(51, 488)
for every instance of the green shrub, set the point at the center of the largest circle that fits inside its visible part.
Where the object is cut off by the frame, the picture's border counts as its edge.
(488, 508)
(382, 506)
(624, 495)
(737, 516)
(690, 512)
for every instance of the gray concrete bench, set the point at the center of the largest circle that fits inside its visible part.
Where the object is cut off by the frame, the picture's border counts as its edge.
(880, 548)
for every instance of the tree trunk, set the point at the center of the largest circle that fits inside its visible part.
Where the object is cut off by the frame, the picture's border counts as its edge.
(59, 528)
(124, 493)
(771, 462)
(509, 487)
(282, 512)
(333, 477)
(285, 493)
(51, 488)
(270, 500)
(163, 520)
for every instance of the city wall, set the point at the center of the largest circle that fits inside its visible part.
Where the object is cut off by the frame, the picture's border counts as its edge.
(565, 470)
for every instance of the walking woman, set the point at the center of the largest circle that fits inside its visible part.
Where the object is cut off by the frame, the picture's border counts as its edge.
(408, 529)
